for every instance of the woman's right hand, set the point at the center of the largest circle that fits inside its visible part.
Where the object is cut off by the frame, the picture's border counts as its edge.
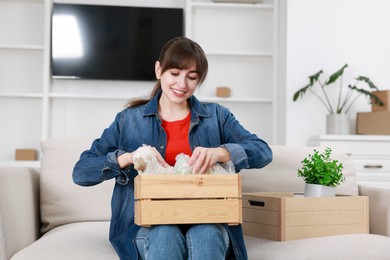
(126, 159)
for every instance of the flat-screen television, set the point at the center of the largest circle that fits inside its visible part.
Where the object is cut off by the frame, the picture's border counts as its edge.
(110, 42)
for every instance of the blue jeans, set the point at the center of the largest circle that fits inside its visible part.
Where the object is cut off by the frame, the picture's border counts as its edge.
(195, 242)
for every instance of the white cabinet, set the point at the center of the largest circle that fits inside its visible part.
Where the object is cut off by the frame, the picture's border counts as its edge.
(239, 40)
(371, 154)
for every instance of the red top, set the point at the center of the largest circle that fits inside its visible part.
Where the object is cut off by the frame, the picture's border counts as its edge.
(177, 138)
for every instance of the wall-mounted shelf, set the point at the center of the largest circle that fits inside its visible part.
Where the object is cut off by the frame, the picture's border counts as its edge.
(22, 47)
(84, 96)
(232, 5)
(249, 54)
(236, 100)
(21, 95)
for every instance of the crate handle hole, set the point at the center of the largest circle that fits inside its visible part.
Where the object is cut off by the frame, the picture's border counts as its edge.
(256, 203)
(373, 166)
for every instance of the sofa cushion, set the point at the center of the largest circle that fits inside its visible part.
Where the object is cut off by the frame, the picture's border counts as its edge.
(87, 240)
(62, 201)
(342, 247)
(281, 173)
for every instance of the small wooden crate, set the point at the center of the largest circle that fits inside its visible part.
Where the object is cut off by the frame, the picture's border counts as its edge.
(283, 216)
(25, 154)
(187, 199)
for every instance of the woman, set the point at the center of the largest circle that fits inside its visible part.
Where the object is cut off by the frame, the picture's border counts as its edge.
(172, 121)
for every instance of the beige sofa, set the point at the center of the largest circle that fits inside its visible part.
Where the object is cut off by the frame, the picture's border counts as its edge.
(43, 215)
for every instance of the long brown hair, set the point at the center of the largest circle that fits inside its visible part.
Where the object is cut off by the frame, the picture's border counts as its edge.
(180, 53)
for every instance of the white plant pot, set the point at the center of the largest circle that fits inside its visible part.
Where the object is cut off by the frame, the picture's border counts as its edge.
(338, 124)
(315, 190)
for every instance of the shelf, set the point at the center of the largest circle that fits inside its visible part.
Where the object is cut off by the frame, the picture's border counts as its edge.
(21, 95)
(235, 100)
(22, 47)
(21, 1)
(249, 54)
(233, 5)
(91, 97)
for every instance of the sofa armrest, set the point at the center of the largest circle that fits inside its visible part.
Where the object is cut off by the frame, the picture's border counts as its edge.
(379, 200)
(19, 209)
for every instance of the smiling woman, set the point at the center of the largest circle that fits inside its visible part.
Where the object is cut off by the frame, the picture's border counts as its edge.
(172, 121)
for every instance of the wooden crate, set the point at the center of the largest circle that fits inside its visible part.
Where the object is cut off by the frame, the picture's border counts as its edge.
(283, 216)
(187, 199)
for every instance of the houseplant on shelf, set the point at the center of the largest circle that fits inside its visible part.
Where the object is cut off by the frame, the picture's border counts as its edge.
(321, 174)
(337, 120)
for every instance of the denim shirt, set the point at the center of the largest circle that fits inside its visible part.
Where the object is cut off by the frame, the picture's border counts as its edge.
(211, 125)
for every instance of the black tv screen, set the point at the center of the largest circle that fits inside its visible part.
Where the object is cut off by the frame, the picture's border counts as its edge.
(110, 42)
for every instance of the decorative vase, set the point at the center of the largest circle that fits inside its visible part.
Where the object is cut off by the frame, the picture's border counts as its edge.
(315, 190)
(337, 124)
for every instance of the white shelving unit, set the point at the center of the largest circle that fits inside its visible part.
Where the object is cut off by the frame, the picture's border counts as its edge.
(239, 39)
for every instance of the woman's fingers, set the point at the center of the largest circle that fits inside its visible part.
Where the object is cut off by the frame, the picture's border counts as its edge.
(160, 159)
(202, 159)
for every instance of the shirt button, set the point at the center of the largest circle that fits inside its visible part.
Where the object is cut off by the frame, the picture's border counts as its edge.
(162, 147)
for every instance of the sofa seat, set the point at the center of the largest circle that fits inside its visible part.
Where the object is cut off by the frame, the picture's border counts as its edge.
(81, 241)
(341, 247)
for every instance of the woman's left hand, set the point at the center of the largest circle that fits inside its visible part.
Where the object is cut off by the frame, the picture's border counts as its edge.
(203, 158)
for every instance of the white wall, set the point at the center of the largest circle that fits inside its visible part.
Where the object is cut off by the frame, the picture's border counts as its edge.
(326, 34)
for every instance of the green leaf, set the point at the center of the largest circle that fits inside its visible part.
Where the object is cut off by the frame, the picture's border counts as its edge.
(371, 96)
(301, 92)
(312, 80)
(368, 81)
(336, 75)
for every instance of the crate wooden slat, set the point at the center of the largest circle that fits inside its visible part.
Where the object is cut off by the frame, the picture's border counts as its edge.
(281, 216)
(187, 199)
(150, 186)
(188, 211)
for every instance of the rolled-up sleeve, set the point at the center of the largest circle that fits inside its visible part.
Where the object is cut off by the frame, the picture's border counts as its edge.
(99, 163)
(247, 150)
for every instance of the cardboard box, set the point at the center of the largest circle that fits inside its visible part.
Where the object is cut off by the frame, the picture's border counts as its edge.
(223, 92)
(373, 123)
(187, 199)
(283, 216)
(25, 155)
(383, 95)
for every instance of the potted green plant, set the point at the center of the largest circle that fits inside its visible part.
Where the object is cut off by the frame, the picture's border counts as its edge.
(337, 118)
(321, 174)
